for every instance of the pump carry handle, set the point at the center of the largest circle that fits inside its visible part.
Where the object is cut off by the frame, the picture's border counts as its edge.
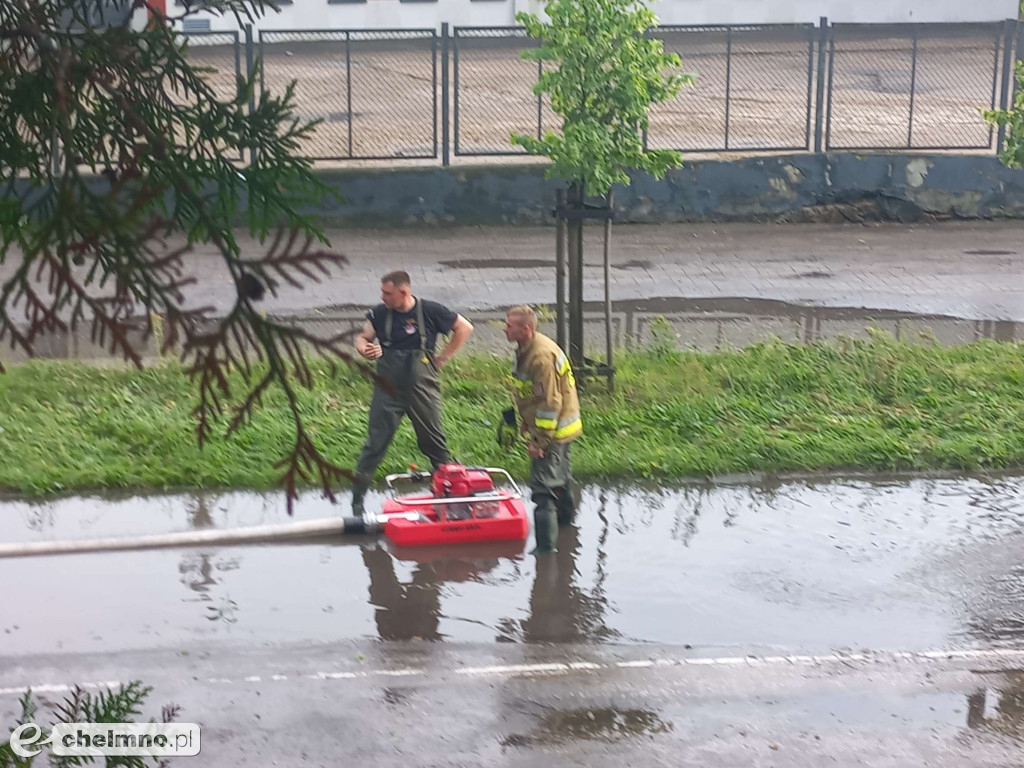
(417, 476)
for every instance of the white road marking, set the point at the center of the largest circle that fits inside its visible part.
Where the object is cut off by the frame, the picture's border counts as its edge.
(562, 668)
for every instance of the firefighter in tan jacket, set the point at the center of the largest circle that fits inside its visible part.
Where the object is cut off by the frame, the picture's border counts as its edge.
(545, 393)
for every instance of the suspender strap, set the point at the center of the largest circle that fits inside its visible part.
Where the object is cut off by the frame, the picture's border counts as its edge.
(422, 326)
(389, 320)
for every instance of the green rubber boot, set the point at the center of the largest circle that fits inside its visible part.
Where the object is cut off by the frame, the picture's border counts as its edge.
(545, 528)
(566, 506)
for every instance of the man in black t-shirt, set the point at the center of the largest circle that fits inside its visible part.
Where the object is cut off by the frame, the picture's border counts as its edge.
(400, 334)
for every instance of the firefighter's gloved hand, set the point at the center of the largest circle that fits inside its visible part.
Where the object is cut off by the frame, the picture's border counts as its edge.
(508, 434)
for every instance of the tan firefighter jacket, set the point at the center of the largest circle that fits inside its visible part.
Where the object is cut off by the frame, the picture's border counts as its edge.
(545, 392)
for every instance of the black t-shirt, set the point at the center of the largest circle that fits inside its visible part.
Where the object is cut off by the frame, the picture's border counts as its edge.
(405, 332)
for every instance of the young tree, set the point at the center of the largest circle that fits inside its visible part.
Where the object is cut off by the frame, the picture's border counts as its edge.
(605, 71)
(112, 145)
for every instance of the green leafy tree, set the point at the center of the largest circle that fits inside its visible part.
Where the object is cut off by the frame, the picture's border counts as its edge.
(116, 155)
(604, 72)
(1012, 153)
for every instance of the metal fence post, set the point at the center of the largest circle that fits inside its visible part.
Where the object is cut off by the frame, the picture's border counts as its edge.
(540, 103)
(808, 141)
(445, 128)
(728, 80)
(647, 123)
(609, 345)
(349, 109)
(560, 269)
(236, 43)
(913, 89)
(831, 88)
(1004, 93)
(455, 88)
(433, 82)
(1016, 58)
(577, 205)
(250, 66)
(238, 58)
(819, 104)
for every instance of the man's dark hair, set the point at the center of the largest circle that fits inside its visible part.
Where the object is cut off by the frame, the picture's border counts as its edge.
(399, 278)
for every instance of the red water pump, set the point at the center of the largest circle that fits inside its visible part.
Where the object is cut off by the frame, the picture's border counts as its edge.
(464, 506)
(457, 481)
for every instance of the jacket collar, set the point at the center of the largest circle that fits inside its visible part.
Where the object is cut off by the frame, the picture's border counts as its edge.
(520, 351)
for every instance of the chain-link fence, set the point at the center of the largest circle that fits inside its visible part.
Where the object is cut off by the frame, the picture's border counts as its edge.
(914, 86)
(493, 91)
(406, 94)
(218, 56)
(753, 89)
(374, 90)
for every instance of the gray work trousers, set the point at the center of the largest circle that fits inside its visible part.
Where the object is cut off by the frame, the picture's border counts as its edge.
(417, 392)
(551, 492)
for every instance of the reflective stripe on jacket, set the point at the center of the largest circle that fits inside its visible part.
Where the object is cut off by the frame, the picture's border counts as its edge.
(545, 392)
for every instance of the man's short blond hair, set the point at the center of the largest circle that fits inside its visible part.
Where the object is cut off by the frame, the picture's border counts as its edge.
(526, 312)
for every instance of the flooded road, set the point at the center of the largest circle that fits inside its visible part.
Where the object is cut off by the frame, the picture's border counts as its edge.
(803, 566)
(775, 624)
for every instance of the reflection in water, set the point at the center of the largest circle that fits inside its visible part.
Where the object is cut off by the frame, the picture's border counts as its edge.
(687, 516)
(604, 724)
(560, 610)
(395, 697)
(197, 567)
(198, 571)
(198, 509)
(995, 609)
(700, 323)
(412, 611)
(402, 611)
(225, 610)
(999, 710)
(39, 516)
(998, 612)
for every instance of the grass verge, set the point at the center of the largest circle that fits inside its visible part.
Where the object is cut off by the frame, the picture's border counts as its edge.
(878, 404)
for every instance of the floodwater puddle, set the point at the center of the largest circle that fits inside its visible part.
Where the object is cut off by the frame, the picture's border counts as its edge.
(811, 565)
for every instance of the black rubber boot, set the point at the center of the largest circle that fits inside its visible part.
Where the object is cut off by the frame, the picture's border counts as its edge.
(359, 489)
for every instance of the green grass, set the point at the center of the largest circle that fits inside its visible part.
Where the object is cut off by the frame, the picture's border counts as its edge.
(880, 404)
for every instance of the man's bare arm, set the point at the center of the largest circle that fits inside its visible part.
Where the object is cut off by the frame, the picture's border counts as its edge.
(461, 331)
(365, 342)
